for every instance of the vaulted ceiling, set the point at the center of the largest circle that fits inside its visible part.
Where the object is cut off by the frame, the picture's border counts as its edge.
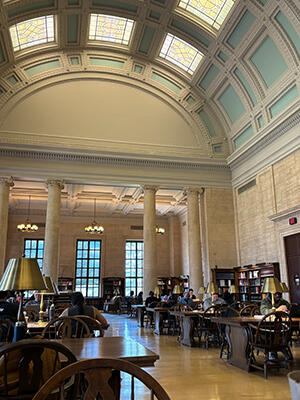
(83, 92)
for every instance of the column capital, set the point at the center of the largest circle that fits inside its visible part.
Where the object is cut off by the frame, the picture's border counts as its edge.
(7, 180)
(150, 187)
(55, 182)
(198, 190)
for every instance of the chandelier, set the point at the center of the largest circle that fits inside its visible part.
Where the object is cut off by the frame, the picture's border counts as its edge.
(27, 226)
(159, 230)
(94, 227)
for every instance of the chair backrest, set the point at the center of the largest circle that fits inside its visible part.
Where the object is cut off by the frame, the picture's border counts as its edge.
(249, 310)
(67, 327)
(26, 365)
(99, 375)
(92, 323)
(6, 330)
(274, 330)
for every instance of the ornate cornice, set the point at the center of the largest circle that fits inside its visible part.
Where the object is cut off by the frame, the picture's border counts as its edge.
(210, 165)
(257, 143)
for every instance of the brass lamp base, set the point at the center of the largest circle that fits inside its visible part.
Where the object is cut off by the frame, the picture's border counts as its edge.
(41, 316)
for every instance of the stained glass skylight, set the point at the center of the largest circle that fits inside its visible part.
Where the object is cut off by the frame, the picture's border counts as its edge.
(32, 32)
(110, 28)
(180, 53)
(211, 11)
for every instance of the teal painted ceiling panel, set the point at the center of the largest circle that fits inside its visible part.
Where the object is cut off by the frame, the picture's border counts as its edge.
(30, 7)
(243, 137)
(116, 4)
(284, 101)
(260, 121)
(223, 56)
(207, 122)
(218, 148)
(74, 60)
(147, 38)
(161, 79)
(246, 85)
(12, 79)
(155, 15)
(186, 29)
(263, 2)
(268, 61)
(209, 76)
(190, 100)
(106, 62)
(289, 30)
(73, 2)
(241, 29)
(72, 23)
(45, 66)
(2, 58)
(232, 104)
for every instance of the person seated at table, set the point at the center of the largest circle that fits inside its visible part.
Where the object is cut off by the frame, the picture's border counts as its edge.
(35, 300)
(279, 303)
(151, 299)
(8, 310)
(185, 299)
(139, 299)
(80, 308)
(192, 296)
(213, 300)
(131, 299)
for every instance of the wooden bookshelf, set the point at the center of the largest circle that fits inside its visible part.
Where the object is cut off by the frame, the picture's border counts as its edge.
(111, 286)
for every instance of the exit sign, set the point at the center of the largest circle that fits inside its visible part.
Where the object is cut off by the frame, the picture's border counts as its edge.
(292, 221)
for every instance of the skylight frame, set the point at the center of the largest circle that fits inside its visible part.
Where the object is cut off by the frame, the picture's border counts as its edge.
(95, 29)
(222, 7)
(169, 46)
(19, 32)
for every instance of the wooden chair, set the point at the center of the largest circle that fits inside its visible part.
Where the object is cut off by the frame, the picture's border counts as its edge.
(6, 330)
(272, 335)
(227, 312)
(93, 324)
(208, 329)
(26, 365)
(67, 327)
(249, 310)
(102, 377)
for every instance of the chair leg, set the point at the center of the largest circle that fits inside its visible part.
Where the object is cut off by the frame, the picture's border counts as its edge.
(266, 359)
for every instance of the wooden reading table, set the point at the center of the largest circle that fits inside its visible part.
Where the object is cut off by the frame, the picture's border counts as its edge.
(188, 322)
(237, 334)
(140, 310)
(111, 347)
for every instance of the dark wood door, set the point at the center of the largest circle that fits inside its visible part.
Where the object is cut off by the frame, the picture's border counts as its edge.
(292, 251)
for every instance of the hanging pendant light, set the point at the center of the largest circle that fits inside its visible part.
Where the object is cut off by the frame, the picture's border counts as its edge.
(27, 226)
(94, 227)
(159, 230)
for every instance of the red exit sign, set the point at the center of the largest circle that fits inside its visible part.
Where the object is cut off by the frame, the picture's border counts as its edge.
(293, 221)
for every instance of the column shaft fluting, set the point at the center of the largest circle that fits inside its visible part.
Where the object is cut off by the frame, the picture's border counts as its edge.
(150, 258)
(51, 251)
(5, 184)
(195, 259)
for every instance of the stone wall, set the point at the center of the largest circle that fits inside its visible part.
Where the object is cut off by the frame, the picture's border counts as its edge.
(277, 190)
(117, 231)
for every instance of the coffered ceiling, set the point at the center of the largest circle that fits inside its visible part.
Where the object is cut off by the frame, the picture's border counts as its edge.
(190, 86)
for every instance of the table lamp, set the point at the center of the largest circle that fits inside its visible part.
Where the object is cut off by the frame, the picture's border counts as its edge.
(157, 291)
(51, 291)
(177, 290)
(22, 274)
(272, 285)
(284, 287)
(211, 289)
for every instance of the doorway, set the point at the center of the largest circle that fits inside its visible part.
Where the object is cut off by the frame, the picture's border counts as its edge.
(292, 252)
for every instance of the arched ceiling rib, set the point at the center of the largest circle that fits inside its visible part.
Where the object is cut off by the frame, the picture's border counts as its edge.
(247, 78)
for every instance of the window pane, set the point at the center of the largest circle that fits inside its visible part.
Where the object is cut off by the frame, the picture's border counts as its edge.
(88, 265)
(133, 266)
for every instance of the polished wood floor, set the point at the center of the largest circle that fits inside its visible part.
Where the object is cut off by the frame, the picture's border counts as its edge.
(197, 374)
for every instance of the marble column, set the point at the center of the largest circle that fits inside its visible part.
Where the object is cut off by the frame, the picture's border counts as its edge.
(150, 257)
(5, 184)
(194, 243)
(51, 251)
